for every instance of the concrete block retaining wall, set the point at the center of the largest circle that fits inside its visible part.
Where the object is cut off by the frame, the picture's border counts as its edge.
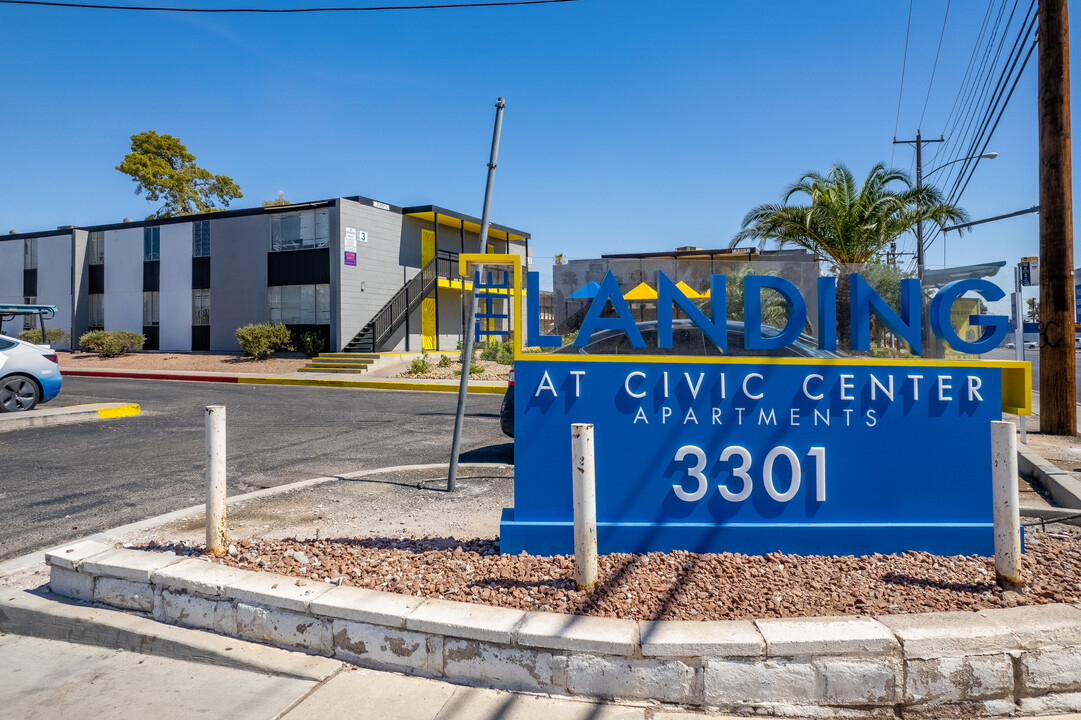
(1020, 661)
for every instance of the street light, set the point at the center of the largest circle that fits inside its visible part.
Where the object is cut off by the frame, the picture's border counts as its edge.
(919, 227)
(988, 156)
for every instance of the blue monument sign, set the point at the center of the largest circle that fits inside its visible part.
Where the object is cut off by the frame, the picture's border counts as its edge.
(820, 454)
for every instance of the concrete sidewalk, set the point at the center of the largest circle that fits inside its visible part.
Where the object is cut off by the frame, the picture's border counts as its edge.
(62, 659)
(372, 380)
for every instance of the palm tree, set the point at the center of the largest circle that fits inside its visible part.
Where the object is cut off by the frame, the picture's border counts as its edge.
(846, 224)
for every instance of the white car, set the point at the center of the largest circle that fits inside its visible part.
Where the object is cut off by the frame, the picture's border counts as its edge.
(1030, 345)
(29, 374)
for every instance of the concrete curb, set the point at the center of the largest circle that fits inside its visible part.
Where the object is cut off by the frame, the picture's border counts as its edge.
(1018, 661)
(432, 385)
(1064, 488)
(67, 415)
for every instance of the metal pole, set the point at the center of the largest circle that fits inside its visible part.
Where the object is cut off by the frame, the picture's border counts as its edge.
(467, 341)
(584, 489)
(1007, 520)
(1019, 336)
(216, 541)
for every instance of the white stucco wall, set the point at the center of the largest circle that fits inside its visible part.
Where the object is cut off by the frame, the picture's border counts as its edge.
(54, 279)
(124, 279)
(175, 292)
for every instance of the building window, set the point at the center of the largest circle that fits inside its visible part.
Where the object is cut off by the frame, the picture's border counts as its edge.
(96, 247)
(300, 230)
(30, 254)
(30, 321)
(150, 309)
(151, 243)
(200, 239)
(96, 321)
(299, 304)
(200, 307)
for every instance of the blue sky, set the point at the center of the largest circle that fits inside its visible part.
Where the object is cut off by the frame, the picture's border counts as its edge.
(631, 125)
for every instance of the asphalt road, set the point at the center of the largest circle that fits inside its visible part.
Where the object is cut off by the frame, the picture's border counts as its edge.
(61, 483)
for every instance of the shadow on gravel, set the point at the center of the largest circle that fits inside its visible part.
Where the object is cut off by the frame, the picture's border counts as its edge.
(975, 588)
(502, 453)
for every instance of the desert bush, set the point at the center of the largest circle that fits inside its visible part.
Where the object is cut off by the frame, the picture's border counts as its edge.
(493, 348)
(444, 361)
(53, 336)
(473, 370)
(420, 365)
(111, 344)
(505, 356)
(258, 341)
(311, 344)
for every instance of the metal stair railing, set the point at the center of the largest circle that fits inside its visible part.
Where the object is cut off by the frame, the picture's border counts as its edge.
(572, 322)
(393, 314)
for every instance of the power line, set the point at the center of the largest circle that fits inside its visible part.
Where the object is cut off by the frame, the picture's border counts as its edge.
(900, 93)
(369, 8)
(972, 98)
(935, 66)
(968, 69)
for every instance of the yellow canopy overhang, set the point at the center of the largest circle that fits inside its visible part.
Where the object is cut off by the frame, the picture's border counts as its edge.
(456, 220)
(686, 290)
(641, 292)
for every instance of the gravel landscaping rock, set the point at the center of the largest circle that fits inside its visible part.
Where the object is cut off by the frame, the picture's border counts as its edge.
(279, 364)
(678, 585)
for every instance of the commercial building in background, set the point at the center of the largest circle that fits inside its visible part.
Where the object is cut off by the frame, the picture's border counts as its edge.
(366, 275)
(690, 265)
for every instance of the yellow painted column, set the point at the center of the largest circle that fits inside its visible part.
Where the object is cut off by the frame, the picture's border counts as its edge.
(428, 325)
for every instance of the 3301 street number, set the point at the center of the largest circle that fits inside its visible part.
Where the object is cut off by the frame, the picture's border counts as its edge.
(743, 469)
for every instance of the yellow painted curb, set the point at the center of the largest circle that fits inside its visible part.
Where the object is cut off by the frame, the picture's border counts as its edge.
(122, 411)
(368, 384)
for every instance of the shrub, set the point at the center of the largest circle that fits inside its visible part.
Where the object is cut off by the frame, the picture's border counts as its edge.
(473, 370)
(258, 341)
(444, 361)
(493, 348)
(53, 336)
(111, 344)
(505, 356)
(311, 344)
(420, 365)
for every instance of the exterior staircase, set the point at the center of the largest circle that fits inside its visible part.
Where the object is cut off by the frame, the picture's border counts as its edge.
(393, 315)
(340, 362)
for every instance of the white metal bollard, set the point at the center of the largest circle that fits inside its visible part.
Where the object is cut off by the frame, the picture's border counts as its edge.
(1007, 514)
(585, 507)
(216, 541)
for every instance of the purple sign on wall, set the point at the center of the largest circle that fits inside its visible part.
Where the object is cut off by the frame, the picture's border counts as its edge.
(350, 258)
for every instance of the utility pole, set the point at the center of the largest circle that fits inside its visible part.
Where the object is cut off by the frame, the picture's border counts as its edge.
(929, 346)
(1058, 392)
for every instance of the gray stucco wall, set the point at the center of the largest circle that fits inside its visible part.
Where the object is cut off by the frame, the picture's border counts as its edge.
(238, 276)
(54, 279)
(364, 289)
(80, 284)
(11, 276)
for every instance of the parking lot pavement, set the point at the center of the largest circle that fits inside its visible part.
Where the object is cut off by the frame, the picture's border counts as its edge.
(61, 483)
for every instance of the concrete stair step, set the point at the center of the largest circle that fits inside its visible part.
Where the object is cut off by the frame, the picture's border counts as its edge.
(355, 367)
(353, 371)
